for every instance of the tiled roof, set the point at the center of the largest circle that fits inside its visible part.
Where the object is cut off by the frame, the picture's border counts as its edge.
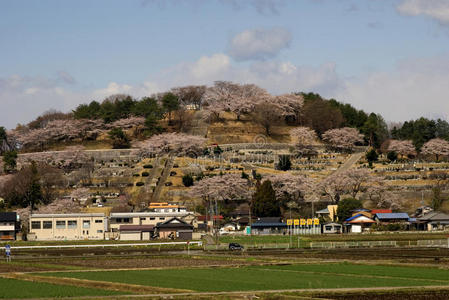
(389, 216)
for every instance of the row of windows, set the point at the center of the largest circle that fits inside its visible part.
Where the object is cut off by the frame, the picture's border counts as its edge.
(71, 224)
(128, 220)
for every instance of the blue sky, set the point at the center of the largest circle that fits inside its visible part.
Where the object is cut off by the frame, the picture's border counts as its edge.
(386, 56)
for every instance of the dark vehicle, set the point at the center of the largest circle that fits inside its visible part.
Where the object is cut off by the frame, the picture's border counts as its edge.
(235, 246)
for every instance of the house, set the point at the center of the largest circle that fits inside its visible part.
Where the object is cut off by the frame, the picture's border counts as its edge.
(269, 226)
(332, 227)
(329, 213)
(434, 221)
(358, 223)
(174, 228)
(146, 218)
(81, 226)
(205, 223)
(136, 232)
(165, 207)
(388, 218)
(8, 226)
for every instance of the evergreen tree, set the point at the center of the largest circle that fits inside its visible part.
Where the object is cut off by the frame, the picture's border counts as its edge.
(284, 163)
(265, 203)
(10, 161)
(119, 139)
(33, 195)
(187, 180)
(345, 208)
(170, 103)
(372, 156)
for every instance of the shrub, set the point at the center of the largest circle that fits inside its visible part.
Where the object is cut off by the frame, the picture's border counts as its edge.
(284, 163)
(140, 183)
(145, 174)
(148, 166)
(136, 175)
(187, 180)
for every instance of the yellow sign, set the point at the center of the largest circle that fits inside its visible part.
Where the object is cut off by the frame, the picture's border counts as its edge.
(296, 222)
(289, 222)
(303, 222)
(316, 221)
(309, 221)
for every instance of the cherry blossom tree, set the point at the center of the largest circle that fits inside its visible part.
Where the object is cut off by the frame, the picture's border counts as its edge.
(349, 182)
(437, 147)
(291, 106)
(190, 95)
(57, 131)
(303, 136)
(343, 138)
(267, 114)
(403, 148)
(223, 187)
(289, 187)
(383, 196)
(127, 123)
(234, 97)
(174, 143)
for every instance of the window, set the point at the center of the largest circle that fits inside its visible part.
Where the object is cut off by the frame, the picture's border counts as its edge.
(118, 220)
(161, 218)
(99, 221)
(60, 224)
(100, 231)
(47, 225)
(35, 224)
(86, 224)
(71, 224)
(126, 220)
(328, 227)
(152, 218)
(143, 219)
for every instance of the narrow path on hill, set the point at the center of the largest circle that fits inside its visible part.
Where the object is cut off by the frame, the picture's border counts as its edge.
(165, 173)
(349, 163)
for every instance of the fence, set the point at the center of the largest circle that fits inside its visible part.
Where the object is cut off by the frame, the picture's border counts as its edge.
(433, 243)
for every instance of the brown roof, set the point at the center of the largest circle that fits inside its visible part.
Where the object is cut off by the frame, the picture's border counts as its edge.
(143, 228)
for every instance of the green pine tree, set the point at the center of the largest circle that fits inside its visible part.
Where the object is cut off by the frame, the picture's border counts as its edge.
(265, 203)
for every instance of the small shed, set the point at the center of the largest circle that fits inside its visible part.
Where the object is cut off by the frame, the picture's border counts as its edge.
(332, 227)
(174, 228)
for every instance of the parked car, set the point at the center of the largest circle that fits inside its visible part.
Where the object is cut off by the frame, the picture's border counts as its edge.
(235, 246)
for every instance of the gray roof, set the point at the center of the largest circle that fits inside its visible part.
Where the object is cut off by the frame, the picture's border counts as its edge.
(323, 211)
(389, 216)
(434, 216)
(8, 216)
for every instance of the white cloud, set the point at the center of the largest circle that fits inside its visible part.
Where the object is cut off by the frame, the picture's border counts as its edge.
(435, 9)
(259, 44)
(264, 7)
(417, 87)
(23, 98)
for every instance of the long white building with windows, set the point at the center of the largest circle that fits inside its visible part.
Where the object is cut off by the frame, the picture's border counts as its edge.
(82, 226)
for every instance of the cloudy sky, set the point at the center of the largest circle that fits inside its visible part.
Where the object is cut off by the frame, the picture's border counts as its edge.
(386, 56)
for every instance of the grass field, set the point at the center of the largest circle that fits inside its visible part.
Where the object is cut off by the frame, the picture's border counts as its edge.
(412, 236)
(343, 275)
(12, 288)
